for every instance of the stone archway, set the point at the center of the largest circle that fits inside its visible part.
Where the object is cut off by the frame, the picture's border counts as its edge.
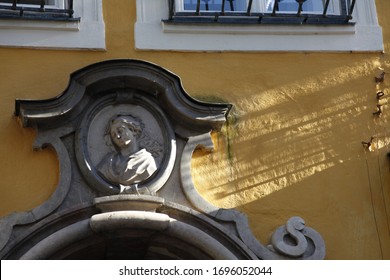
(157, 230)
(129, 235)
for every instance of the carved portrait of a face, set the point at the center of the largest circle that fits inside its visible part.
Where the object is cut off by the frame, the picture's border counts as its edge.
(125, 147)
(131, 161)
(123, 134)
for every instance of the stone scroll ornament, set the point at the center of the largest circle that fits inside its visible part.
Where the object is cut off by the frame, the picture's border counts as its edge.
(295, 240)
(124, 132)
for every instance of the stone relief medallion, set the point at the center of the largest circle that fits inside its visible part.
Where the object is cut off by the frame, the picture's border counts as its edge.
(125, 146)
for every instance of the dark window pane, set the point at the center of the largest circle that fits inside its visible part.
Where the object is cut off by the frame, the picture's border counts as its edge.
(215, 5)
(31, 2)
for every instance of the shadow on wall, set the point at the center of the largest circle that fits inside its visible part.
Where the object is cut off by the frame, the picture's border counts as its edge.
(288, 134)
(305, 139)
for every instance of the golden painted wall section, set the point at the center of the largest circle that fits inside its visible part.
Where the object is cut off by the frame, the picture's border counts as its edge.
(293, 146)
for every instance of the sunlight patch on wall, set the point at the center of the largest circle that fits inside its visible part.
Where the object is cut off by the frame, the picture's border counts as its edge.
(332, 78)
(288, 134)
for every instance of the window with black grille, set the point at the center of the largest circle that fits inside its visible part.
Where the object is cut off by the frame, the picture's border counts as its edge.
(29, 2)
(37, 9)
(261, 11)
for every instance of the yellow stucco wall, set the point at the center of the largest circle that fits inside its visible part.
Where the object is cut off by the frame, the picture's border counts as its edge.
(293, 148)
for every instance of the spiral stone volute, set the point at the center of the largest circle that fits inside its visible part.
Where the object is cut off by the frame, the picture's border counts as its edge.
(296, 241)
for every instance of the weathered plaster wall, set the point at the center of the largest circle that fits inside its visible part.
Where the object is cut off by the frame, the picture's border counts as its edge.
(293, 148)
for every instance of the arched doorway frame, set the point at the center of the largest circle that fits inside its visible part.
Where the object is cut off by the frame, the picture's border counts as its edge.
(147, 214)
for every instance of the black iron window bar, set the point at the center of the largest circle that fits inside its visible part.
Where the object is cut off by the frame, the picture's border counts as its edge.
(35, 10)
(249, 17)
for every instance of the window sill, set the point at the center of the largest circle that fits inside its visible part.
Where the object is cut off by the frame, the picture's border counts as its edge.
(271, 38)
(85, 31)
(260, 29)
(30, 24)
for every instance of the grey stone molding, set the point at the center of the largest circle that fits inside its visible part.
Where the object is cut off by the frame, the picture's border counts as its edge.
(165, 125)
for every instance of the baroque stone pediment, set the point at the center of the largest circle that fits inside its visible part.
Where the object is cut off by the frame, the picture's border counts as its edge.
(124, 132)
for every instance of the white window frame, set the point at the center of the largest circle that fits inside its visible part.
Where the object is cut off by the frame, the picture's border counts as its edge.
(87, 33)
(151, 33)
